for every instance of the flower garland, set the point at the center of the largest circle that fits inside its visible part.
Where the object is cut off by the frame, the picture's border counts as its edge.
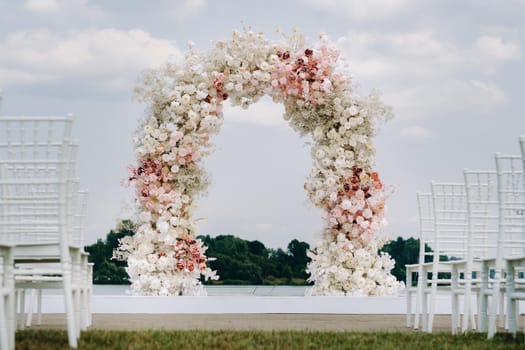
(185, 109)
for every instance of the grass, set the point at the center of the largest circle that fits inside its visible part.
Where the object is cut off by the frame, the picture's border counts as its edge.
(230, 340)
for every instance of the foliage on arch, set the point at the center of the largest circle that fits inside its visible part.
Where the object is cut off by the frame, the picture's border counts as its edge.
(185, 109)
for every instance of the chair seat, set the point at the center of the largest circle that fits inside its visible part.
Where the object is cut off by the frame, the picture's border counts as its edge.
(39, 252)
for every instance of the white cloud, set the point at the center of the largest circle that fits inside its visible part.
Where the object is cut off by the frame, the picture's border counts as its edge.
(493, 46)
(263, 112)
(420, 72)
(188, 8)
(42, 6)
(66, 9)
(360, 10)
(415, 132)
(109, 55)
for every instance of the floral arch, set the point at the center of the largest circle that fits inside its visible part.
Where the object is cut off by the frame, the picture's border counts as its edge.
(185, 102)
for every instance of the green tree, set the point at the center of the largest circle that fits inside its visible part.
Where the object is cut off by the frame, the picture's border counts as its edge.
(239, 261)
(105, 269)
(299, 259)
(404, 252)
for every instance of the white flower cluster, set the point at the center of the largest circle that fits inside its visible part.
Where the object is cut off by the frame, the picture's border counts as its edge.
(346, 267)
(185, 109)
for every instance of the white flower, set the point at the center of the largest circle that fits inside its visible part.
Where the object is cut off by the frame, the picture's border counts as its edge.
(162, 226)
(346, 204)
(185, 99)
(320, 154)
(340, 163)
(326, 162)
(367, 213)
(190, 89)
(264, 66)
(331, 181)
(201, 95)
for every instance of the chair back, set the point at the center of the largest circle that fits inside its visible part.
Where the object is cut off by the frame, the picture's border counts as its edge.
(37, 159)
(450, 220)
(511, 197)
(79, 222)
(426, 224)
(482, 213)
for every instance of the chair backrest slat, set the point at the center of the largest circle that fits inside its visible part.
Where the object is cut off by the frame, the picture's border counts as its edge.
(450, 216)
(511, 196)
(37, 162)
(482, 208)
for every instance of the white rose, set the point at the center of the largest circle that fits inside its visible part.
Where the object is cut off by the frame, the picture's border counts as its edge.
(190, 89)
(155, 284)
(185, 100)
(264, 66)
(346, 204)
(320, 154)
(367, 213)
(201, 95)
(163, 226)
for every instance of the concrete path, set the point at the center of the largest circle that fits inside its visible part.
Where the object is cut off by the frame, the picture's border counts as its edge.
(322, 322)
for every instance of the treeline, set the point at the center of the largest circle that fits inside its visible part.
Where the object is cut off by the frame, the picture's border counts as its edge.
(239, 261)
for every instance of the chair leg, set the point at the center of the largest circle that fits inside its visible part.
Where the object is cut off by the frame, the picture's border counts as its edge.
(483, 299)
(501, 316)
(83, 308)
(4, 328)
(89, 298)
(454, 281)
(467, 300)
(433, 296)
(472, 316)
(11, 304)
(419, 299)
(409, 308)
(455, 312)
(78, 320)
(39, 300)
(478, 311)
(22, 313)
(69, 307)
(29, 318)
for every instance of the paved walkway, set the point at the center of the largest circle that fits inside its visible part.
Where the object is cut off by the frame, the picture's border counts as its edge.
(323, 322)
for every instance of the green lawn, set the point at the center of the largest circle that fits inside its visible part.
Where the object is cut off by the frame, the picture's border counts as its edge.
(228, 340)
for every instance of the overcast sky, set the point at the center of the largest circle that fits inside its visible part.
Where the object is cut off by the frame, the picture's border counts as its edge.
(451, 71)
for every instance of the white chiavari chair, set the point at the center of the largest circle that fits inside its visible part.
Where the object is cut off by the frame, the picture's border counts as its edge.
(7, 299)
(482, 228)
(86, 267)
(85, 278)
(421, 269)
(450, 226)
(35, 195)
(515, 265)
(511, 237)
